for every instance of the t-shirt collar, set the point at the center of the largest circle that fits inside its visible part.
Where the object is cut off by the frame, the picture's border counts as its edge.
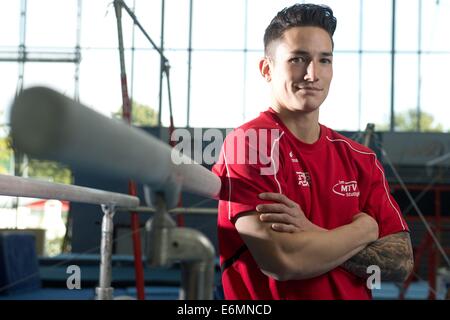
(303, 145)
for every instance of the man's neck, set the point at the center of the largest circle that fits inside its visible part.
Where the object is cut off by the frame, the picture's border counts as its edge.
(303, 125)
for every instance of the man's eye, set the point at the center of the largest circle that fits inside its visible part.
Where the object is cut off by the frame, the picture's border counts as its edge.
(325, 60)
(297, 60)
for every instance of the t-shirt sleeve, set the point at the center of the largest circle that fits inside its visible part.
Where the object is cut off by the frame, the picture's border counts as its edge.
(245, 176)
(382, 206)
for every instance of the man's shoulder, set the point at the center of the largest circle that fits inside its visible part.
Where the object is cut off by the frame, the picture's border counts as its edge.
(263, 121)
(260, 125)
(340, 141)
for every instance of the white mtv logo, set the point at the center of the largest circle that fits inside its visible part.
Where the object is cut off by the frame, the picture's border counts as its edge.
(349, 187)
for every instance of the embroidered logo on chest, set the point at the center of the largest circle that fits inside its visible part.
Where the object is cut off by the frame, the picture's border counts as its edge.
(346, 189)
(303, 177)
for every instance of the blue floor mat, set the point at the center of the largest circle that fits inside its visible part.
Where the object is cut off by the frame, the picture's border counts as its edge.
(52, 294)
(151, 293)
(388, 291)
(416, 291)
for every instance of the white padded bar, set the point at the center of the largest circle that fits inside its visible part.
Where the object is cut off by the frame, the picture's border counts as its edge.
(48, 125)
(33, 188)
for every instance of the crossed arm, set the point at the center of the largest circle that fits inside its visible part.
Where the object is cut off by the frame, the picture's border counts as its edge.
(393, 254)
(305, 254)
(286, 245)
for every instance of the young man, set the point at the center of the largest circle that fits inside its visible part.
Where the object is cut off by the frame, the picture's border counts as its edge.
(304, 211)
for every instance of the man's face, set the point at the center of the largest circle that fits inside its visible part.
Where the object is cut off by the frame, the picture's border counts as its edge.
(299, 68)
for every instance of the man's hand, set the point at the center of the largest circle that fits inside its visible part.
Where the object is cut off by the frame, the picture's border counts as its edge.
(285, 215)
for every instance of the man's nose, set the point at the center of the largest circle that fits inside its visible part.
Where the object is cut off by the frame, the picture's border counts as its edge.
(311, 72)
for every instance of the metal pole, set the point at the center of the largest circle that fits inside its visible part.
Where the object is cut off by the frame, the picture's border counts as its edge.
(20, 159)
(368, 134)
(22, 50)
(361, 12)
(104, 291)
(122, 4)
(126, 114)
(133, 50)
(392, 123)
(419, 68)
(76, 93)
(136, 21)
(197, 280)
(76, 96)
(168, 244)
(188, 116)
(244, 76)
(126, 106)
(161, 68)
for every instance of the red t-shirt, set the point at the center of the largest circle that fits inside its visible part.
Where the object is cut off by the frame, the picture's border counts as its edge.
(332, 180)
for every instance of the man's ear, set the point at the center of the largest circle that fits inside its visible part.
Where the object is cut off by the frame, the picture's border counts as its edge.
(265, 68)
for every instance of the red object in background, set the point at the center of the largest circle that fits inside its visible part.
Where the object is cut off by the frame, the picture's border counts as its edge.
(40, 204)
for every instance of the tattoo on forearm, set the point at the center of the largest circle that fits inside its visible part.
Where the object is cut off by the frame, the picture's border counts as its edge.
(393, 254)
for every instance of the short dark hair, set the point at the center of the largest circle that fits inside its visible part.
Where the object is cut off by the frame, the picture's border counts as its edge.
(300, 15)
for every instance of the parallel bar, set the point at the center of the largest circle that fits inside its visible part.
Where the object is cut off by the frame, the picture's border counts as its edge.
(32, 188)
(190, 210)
(46, 124)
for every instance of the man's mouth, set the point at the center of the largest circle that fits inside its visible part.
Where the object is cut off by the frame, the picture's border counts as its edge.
(307, 88)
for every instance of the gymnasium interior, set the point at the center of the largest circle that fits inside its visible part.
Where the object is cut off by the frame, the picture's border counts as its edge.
(135, 78)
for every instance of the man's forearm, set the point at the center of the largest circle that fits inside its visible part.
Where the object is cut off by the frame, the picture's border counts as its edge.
(324, 251)
(392, 254)
(288, 256)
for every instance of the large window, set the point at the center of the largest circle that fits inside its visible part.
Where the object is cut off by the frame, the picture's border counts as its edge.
(214, 48)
